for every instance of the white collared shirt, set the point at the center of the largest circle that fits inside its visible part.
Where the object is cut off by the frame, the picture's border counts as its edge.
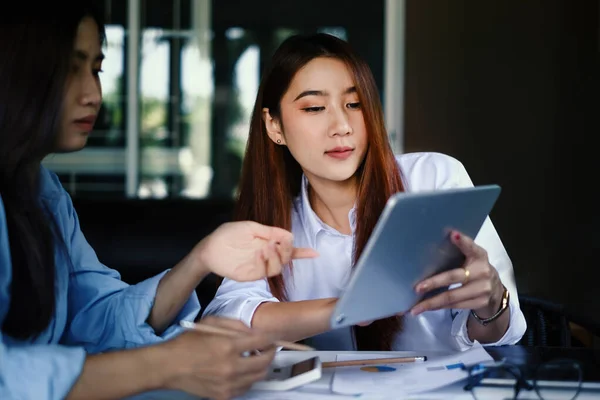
(328, 274)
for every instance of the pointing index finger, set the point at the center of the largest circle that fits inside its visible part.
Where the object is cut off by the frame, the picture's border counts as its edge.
(303, 252)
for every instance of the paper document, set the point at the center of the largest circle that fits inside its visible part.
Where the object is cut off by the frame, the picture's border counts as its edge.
(291, 395)
(310, 395)
(436, 372)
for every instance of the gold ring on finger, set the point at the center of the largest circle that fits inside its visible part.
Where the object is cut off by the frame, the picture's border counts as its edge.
(467, 275)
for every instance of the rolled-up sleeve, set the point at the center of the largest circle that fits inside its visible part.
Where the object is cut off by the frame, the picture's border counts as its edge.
(513, 334)
(239, 300)
(104, 312)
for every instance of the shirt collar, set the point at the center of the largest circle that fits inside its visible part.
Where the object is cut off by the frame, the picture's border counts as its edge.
(50, 189)
(311, 221)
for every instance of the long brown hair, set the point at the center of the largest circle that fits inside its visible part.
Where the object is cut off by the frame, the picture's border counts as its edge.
(271, 177)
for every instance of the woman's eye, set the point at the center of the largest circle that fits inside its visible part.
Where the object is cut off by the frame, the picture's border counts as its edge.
(313, 109)
(353, 105)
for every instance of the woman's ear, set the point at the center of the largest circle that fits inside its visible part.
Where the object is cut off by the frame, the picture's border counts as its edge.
(273, 127)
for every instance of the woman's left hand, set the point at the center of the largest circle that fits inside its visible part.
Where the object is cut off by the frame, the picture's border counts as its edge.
(481, 288)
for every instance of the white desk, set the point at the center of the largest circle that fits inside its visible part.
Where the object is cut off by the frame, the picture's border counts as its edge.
(321, 389)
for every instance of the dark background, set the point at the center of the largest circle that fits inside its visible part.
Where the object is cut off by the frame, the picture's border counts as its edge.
(510, 88)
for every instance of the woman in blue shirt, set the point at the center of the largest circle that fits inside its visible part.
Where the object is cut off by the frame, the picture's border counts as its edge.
(62, 313)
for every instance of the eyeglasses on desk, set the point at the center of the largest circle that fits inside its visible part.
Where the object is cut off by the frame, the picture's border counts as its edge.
(561, 377)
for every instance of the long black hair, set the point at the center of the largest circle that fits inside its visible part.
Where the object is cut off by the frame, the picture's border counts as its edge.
(36, 45)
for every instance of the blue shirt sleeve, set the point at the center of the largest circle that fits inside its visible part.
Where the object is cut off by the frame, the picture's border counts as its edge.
(102, 312)
(41, 372)
(106, 313)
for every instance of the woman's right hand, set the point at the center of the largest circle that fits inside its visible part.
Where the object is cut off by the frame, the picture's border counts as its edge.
(247, 251)
(213, 366)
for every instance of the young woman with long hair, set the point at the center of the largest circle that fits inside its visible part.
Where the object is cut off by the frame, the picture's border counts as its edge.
(318, 162)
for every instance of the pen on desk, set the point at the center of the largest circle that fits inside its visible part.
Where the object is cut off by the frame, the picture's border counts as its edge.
(373, 361)
(222, 331)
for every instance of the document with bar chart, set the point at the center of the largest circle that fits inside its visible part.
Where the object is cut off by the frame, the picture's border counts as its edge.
(414, 377)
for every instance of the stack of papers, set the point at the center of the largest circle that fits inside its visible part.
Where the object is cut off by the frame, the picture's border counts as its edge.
(406, 378)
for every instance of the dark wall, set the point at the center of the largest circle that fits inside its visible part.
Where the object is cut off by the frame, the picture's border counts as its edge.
(511, 88)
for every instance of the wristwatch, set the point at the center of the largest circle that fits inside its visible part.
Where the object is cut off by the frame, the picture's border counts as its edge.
(503, 307)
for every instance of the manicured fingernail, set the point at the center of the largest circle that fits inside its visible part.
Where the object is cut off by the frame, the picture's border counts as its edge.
(422, 287)
(456, 236)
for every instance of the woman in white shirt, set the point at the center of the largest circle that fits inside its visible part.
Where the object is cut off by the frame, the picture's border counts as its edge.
(318, 162)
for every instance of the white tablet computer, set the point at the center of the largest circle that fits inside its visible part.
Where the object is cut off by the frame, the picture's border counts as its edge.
(410, 242)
